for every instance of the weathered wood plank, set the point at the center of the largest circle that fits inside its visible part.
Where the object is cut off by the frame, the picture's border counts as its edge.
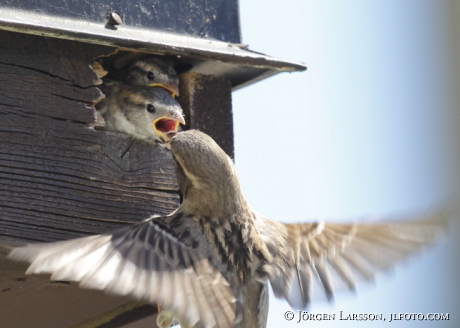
(17, 232)
(65, 59)
(134, 314)
(207, 104)
(49, 77)
(76, 180)
(47, 95)
(60, 178)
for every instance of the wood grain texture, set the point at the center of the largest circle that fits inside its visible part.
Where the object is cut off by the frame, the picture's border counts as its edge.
(59, 177)
(47, 95)
(67, 177)
(65, 59)
(49, 77)
(207, 104)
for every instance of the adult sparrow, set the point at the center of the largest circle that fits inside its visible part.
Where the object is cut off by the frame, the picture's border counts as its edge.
(210, 261)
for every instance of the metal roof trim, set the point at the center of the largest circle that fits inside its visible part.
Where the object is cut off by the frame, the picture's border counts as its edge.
(130, 38)
(231, 61)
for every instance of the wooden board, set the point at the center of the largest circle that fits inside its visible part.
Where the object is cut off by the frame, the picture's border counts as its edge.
(207, 104)
(60, 178)
(68, 60)
(68, 180)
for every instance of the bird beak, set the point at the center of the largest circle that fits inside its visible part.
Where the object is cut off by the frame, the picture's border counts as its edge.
(166, 127)
(173, 89)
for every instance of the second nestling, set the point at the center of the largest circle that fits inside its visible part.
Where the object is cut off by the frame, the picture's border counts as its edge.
(142, 105)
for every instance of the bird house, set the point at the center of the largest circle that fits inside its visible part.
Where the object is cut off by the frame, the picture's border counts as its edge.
(62, 175)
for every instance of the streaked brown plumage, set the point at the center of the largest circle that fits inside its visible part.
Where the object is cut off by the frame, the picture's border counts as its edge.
(149, 114)
(210, 261)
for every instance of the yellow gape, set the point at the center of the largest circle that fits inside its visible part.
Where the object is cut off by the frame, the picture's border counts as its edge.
(165, 128)
(171, 88)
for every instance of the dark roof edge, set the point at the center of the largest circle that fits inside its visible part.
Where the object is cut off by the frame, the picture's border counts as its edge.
(135, 39)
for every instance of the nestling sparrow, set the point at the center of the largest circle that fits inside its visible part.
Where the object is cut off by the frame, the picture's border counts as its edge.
(151, 72)
(210, 261)
(149, 114)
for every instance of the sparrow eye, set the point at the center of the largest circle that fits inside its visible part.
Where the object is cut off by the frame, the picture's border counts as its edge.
(150, 75)
(151, 108)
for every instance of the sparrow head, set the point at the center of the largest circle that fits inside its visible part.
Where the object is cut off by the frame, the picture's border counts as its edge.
(154, 72)
(150, 114)
(206, 175)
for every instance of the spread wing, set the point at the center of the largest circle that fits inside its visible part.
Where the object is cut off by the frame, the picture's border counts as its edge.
(148, 261)
(338, 255)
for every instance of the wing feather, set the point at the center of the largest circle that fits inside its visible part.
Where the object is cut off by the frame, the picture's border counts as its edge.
(148, 261)
(339, 255)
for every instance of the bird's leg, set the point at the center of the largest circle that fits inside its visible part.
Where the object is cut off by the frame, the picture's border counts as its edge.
(164, 318)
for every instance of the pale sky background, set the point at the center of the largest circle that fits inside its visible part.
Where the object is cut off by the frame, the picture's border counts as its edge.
(366, 131)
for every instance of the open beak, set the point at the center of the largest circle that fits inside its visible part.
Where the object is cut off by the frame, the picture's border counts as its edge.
(173, 89)
(166, 127)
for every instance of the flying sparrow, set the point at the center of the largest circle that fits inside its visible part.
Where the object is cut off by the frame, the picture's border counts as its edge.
(210, 261)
